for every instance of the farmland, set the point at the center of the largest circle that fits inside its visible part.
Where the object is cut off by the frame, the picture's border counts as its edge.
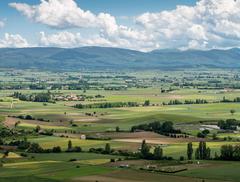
(70, 117)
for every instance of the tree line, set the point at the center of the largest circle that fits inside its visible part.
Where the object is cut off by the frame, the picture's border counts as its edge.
(157, 127)
(229, 124)
(37, 97)
(236, 99)
(178, 102)
(107, 105)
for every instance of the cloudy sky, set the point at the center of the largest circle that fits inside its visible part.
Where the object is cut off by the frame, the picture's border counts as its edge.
(135, 24)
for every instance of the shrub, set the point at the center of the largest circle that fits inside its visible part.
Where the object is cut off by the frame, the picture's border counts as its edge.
(23, 155)
(56, 149)
(181, 158)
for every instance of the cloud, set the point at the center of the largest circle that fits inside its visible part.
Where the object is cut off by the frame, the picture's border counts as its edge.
(68, 40)
(2, 24)
(208, 24)
(13, 40)
(62, 14)
(57, 13)
(65, 14)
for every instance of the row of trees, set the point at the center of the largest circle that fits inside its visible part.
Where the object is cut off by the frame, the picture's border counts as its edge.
(178, 102)
(230, 152)
(146, 154)
(36, 148)
(157, 127)
(38, 97)
(237, 99)
(227, 152)
(30, 117)
(107, 105)
(229, 124)
(201, 153)
(143, 153)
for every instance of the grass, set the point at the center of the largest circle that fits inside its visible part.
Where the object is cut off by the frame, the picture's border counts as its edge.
(135, 175)
(46, 127)
(27, 178)
(50, 170)
(50, 142)
(228, 171)
(65, 157)
(93, 161)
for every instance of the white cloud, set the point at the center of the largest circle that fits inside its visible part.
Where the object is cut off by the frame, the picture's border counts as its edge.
(62, 39)
(57, 13)
(208, 24)
(2, 24)
(13, 40)
(63, 14)
(68, 40)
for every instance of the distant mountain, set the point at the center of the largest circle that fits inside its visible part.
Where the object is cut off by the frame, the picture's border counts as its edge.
(115, 58)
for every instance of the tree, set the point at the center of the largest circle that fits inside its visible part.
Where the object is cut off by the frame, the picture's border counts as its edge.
(24, 144)
(17, 123)
(200, 135)
(35, 148)
(107, 149)
(206, 132)
(37, 129)
(144, 149)
(202, 152)
(236, 154)
(147, 103)
(227, 152)
(158, 153)
(214, 136)
(208, 154)
(56, 149)
(69, 145)
(203, 134)
(1, 141)
(229, 124)
(117, 129)
(29, 117)
(77, 149)
(232, 111)
(197, 154)
(189, 151)
(167, 127)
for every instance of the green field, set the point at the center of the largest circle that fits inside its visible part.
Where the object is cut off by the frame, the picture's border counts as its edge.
(55, 122)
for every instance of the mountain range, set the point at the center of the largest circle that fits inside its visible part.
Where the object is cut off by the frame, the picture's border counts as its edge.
(50, 58)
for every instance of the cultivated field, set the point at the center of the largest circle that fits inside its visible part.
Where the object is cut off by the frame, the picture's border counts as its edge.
(110, 105)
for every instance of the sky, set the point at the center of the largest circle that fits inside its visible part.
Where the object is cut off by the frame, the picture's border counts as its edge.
(142, 25)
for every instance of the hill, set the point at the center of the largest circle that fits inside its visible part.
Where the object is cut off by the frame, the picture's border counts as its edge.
(115, 58)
